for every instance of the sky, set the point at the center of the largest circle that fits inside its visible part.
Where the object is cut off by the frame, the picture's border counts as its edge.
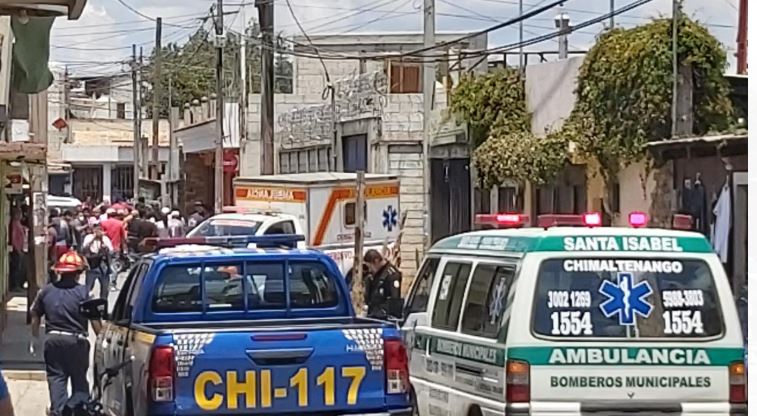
(99, 43)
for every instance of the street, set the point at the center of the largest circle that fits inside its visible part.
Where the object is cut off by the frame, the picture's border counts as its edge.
(24, 372)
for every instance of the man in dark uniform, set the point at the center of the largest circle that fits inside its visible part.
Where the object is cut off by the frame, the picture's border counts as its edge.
(384, 284)
(66, 349)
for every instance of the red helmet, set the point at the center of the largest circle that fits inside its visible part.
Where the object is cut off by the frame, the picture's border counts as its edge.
(69, 262)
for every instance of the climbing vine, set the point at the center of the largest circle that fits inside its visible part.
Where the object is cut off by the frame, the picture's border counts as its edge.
(624, 91)
(494, 106)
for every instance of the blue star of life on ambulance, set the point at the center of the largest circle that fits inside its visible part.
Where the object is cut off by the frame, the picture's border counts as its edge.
(626, 299)
(390, 218)
(497, 302)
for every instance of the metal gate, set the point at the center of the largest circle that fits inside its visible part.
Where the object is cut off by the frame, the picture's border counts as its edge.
(450, 197)
(88, 182)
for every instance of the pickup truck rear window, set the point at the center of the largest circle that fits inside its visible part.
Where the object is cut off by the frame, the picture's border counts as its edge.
(232, 287)
(626, 298)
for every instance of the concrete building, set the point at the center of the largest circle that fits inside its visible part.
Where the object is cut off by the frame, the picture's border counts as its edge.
(379, 126)
(90, 132)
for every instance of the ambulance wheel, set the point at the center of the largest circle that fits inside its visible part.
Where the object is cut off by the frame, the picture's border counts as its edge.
(474, 411)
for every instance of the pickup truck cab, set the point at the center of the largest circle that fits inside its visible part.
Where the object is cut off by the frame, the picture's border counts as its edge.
(229, 331)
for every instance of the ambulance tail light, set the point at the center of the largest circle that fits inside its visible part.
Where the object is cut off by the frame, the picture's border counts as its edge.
(506, 220)
(737, 382)
(518, 381)
(397, 368)
(161, 374)
(637, 219)
(683, 222)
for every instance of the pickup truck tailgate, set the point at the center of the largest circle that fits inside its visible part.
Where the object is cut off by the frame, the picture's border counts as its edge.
(330, 370)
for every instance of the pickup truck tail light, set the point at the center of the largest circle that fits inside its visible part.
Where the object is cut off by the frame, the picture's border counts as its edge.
(737, 382)
(518, 382)
(397, 371)
(161, 374)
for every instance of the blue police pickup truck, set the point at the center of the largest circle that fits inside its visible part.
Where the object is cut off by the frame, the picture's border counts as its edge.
(214, 330)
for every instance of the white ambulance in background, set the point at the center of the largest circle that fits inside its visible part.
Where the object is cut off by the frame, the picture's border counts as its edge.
(572, 318)
(320, 206)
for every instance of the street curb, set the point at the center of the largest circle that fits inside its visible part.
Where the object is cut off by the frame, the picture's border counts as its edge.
(24, 375)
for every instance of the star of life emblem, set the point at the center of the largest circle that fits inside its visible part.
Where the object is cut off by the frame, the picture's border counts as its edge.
(626, 299)
(496, 304)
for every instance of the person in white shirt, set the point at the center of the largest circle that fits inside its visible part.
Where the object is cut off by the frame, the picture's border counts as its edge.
(97, 249)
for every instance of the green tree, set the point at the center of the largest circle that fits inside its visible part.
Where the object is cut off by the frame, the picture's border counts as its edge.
(494, 106)
(624, 90)
(191, 68)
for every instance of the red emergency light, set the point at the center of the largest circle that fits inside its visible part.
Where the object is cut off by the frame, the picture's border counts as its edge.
(683, 222)
(589, 219)
(637, 219)
(505, 220)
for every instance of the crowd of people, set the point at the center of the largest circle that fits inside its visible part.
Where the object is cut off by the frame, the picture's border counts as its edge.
(105, 233)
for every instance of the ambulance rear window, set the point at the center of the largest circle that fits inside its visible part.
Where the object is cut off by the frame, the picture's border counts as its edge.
(626, 298)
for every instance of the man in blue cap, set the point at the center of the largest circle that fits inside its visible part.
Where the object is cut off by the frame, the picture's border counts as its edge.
(6, 406)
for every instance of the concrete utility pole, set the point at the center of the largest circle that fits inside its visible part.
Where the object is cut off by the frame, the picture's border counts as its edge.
(135, 118)
(562, 22)
(67, 103)
(220, 40)
(612, 14)
(429, 84)
(155, 171)
(674, 103)
(521, 62)
(265, 15)
(243, 88)
(144, 157)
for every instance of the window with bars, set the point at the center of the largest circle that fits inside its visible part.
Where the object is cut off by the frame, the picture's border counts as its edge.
(304, 161)
(122, 181)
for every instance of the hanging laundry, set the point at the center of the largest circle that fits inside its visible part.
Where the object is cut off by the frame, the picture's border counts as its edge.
(720, 235)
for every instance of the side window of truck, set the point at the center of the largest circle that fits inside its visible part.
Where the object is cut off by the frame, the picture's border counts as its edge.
(449, 298)
(120, 306)
(283, 227)
(421, 291)
(126, 298)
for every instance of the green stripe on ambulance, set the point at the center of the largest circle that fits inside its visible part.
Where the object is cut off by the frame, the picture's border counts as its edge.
(651, 356)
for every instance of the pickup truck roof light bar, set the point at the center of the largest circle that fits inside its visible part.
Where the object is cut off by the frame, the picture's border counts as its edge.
(261, 241)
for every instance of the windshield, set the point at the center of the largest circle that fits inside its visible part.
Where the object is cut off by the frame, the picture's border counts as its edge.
(224, 227)
(626, 298)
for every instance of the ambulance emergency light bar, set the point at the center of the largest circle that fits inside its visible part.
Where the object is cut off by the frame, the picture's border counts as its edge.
(502, 220)
(260, 241)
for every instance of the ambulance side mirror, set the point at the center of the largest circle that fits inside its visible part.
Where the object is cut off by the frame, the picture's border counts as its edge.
(94, 309)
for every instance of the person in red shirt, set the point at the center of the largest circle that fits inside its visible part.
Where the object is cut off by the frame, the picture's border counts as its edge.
(114, 229)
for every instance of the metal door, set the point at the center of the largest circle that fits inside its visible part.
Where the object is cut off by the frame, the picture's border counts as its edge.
(450, 197)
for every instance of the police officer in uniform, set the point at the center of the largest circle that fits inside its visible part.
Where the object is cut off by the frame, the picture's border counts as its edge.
(384, 284)
(66, 349)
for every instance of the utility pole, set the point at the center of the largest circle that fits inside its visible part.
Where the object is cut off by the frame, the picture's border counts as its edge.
(155, 171)
(243, 89)
(143, 154)
(220, 40)
(67, 103)
(562, 22)
(612, 14)
(674, 103)
(741, 40)
(521, 63)
(265, 15)
(135, 118)
(429, 83)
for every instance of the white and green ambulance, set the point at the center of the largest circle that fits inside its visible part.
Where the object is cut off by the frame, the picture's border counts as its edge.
(574, 321)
